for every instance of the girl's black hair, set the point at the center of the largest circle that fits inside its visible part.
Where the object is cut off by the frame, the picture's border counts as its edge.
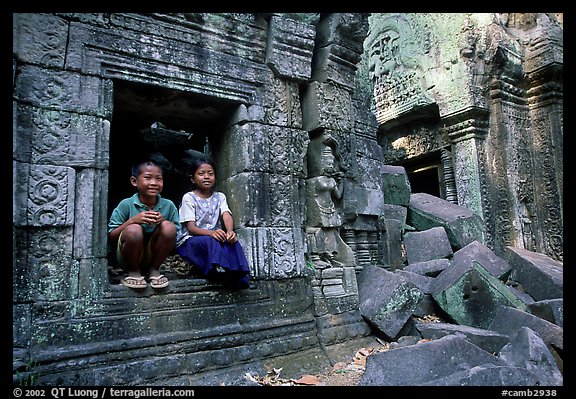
(195, 164)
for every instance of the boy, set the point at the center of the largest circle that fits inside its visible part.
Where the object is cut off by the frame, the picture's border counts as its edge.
(142, 228)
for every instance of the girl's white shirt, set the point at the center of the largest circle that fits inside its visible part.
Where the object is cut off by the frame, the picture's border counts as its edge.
(206, 212)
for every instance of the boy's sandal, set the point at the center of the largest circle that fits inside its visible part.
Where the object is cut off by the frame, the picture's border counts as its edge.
(134, 282)
(159, 281)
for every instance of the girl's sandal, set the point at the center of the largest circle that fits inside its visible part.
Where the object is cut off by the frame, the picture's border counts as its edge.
(159, 281)
(134, 282)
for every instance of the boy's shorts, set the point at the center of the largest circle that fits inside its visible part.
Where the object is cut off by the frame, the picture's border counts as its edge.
(146, 256)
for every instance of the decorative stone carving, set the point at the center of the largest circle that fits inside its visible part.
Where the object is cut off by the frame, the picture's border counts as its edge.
(50, 200)
(285, 109)
(324, 189)
(327, 105)
(289, 48)
(40, 38)
(396, 70)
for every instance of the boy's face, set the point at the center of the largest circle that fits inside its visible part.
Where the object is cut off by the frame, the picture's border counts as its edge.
(149, 182)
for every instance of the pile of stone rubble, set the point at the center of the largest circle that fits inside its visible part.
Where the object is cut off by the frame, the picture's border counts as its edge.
(501, 316)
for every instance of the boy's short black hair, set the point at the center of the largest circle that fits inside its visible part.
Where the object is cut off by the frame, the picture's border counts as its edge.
(137, 166)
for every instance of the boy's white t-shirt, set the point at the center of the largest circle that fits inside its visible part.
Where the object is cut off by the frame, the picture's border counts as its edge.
(206, 212)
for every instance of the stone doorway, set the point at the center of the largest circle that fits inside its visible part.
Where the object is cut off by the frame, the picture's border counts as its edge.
(167, 125)
(425, 175)
(150, 119)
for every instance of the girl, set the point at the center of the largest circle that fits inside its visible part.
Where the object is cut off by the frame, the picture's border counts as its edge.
(206, 237)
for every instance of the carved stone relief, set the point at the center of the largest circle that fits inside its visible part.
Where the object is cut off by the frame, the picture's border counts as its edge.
(51, 196)
(285, 109)
(327, 251)
(395, 69)
(44, 46)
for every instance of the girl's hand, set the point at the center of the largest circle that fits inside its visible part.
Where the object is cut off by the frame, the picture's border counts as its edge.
(219, 235)
(231, 237)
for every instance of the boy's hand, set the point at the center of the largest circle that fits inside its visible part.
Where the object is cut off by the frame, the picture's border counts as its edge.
(150, 217)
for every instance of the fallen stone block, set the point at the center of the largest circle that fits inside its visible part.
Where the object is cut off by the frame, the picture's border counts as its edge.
(461, 224)
(489, 375)
(425, 362)
(541, 276)
(422, 246)
(509, 320)
(517, 290)
(490, 341)
(478, 252)
(386, 300)
(526, 349)
(395, 185)
(551, 310)
(422, 282)
(431, 268)
(471, 296)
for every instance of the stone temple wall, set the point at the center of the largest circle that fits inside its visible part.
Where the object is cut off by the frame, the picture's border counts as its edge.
(92, 91)
(480, 97)
(297, 110)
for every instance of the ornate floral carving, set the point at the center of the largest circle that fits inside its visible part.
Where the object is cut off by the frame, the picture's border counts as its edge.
(50, 136)
(48, 196)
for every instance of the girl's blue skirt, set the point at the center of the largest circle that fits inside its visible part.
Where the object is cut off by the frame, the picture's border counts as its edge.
(217, 261)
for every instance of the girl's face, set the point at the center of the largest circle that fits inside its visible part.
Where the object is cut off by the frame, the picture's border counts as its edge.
(204, 177)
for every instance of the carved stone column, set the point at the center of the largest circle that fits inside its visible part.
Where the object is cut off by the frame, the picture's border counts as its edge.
(544, 72)
(466, 132)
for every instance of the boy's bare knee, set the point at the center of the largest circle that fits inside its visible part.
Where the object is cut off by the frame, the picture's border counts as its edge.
(168, 228)
(133, 232)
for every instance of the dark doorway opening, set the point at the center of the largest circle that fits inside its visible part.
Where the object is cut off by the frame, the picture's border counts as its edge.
(425, 175)
(425, 180)
(149, 120)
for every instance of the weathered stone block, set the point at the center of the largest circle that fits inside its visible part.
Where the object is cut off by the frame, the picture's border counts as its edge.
(395, 185)
(490, 341)
(246, 148)
(391, 243)
(420, 281)
(274, 252)
(44, 196)
(508, 320)
(431, 268)
(489, 375)
(551, 310)
(263, 199)
(424, 363)
(527, 350)
(396, 212)
(340, 326)
(472, 298)
(362, 201)
(62, 90)
(392, 307)
(541, 276)
(422, 246)
(40, 39)
(325, 105)
(462, 225)
(478, 252)
(289, 48)
(336, 54)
